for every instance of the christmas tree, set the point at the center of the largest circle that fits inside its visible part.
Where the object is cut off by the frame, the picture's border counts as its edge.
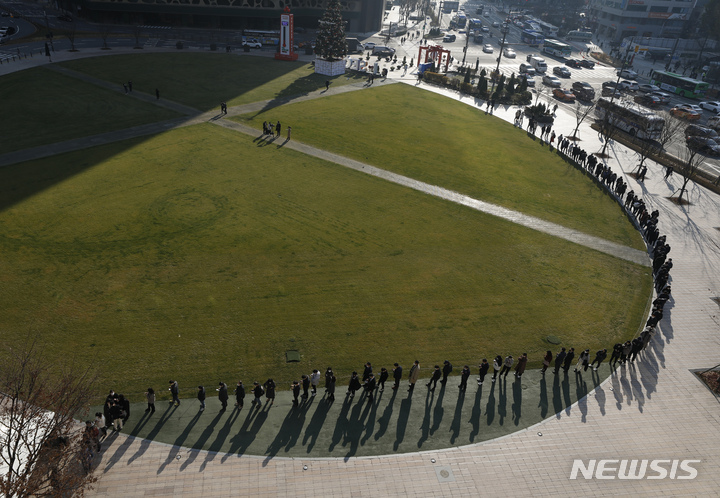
(330, 41)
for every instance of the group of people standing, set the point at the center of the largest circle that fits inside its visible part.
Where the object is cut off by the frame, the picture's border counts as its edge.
(274, 129)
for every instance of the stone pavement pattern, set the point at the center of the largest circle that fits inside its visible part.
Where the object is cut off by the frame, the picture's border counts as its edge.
(658, 410)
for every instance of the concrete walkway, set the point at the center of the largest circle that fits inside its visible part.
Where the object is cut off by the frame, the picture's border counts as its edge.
(658, 410)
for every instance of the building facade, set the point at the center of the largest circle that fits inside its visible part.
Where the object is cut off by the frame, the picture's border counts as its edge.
(618, 19)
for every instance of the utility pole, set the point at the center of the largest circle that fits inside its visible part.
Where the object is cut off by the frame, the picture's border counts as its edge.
(497, 68)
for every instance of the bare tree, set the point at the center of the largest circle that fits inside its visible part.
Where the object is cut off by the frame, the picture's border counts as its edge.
(104, 33)
(541, 91)
(71, 35)
(137, 31)
(688, 168)
(41, 444)
(647, 148)
(581, 112)
(608, 130)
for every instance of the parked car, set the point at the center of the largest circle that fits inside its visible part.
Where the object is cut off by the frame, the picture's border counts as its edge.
(564, 95)
(663, 97)
(561, 71)
(648, 99)
(527, 69)
(485, 29)
(700, 131)
(383, 51)
(369, 45)
(495, 24)
(704, 145)
(487, 48)
(627, 73)
(647, 88)
(551, 81)
(587, 64)
(630, 86)
(509, 53)
(573, 63)
(252, 43)
(449, 38)
(527, 77)
(683, 112)
(710, 106)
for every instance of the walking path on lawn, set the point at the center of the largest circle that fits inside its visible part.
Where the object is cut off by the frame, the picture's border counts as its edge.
(656, 409)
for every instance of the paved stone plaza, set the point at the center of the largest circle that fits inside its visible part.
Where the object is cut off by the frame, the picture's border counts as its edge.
(656, 409)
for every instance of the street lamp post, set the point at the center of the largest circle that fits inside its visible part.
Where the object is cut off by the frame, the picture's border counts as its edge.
(497, 68)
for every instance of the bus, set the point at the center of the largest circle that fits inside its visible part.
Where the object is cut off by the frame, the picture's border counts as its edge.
(547, 28)
(557, 48)
(585, 36)
(676, 83)
(474, 24)
(630, 118)
(532, 38)
(266, 37)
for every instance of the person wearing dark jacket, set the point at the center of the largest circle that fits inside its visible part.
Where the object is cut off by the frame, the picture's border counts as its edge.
(569, 357)
(257, 392)
(305, 386)
(201, 397)
(446, 370)
(437, 373)
(296, 392)
(464, 374)
(239, 395)
(367, 371)
(559, 359)
(397, 375)
(223, 395)
(599, 358)
(328, 375)
(125, 404)
(331, 388)
(370, 385)
(270, 390)
(484, 367)
(383, 378)
(617, 352)
(583, 361)
(354, 385)
(116, 415)
(546, 360)
(521, 364)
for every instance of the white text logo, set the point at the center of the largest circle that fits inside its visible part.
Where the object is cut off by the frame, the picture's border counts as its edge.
(634, 469)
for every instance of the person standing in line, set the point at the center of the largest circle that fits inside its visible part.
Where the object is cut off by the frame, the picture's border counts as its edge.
(125, 404)
(546, 361)
(437, 373)
(617, 351)
(507, 364)
(599, 358)
(305, 386)
(414, 375)
(270, 390)
(636, 348)
(150, 396)
(367, 371)
(201, 397)
(328, 375)
(383, 378)
(125, 88)
(289, 130)
(446, 370)
(327, 85)
(314, 381)
(278, 128)
(157, 94)
(583, 361)
(559, 359)
(521, 364)
(100, 424)
(397, 375)
(484, 367)
(239, 395)
(174, 391)
(130, 85)
(223, 395)
(370, 385)
(354, 385)
(117, 416)
(331, 388)
(625, 354)
(497, 366)
(568, 359)
(296, 392)
(464, 374)
(257, 391)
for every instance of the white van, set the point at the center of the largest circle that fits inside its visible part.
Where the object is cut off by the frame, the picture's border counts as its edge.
(539, 64)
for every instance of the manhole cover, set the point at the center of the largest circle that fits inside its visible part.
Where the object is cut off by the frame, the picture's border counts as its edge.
(444, 474)
(292, 356)
(553, 339)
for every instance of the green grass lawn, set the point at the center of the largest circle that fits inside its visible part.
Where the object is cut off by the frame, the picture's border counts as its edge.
(204, 80)
(43, 107)
(443, 142)
(200, 254)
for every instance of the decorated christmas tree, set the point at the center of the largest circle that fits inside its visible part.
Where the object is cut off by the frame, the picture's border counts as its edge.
(330, 41)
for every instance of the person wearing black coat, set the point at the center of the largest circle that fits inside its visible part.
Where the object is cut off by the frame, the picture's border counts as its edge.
(125, 404)
(435, 377)
(116, 414)
(568, 359)
(464, 374)
(257, 392)
(354, 384)
(397, 375)
(484, 367)
(599, 358)
(328, 376)
(223, 395)
(447, 368)
(367, 371)
(201, 397)
(370, 385)
(239, 395)
(559, 358)
(383, 378)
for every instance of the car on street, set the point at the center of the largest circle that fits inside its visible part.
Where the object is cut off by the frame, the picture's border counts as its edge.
(5, 13)
(551, 81)
(587, 64)
(710, 106)
(561, 71)
(527, 69)
(648, 100)
(564, 95)
(527, 77)
(630, 86)
(509, 53)
(252, 43)
(529, 57)
(685, 112)
(647, 88)
(383, 51)
(485, 29)
(369, 45)
(573, 63)
(449, 38)
(495, 24)
(583, 90)
(700, 131)
(703, 145)
(663, 97)
(627, 73)
(65, 18)
(487, 48)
